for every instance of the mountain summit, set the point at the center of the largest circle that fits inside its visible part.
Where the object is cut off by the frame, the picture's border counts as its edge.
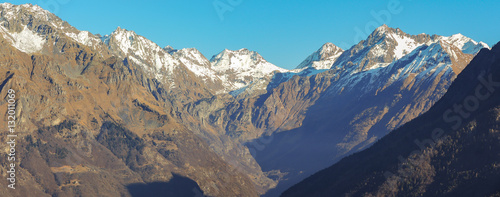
(242, 67)
(323, 58)
(386, 44)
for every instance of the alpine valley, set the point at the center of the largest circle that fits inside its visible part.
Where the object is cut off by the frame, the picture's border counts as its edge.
(118, 115)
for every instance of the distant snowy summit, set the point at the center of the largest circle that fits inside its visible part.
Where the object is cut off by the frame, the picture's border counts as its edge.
(241, 67)
(323, 58)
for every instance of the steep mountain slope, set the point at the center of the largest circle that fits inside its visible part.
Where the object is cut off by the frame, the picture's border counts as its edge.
(377, 88)
(179, 83)
(187, 78)
(201, 67)
(451, 150)
(92, 121)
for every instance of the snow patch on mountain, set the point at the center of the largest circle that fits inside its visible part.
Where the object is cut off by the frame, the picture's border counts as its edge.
(84, 37)
(131, 44)
(404, 45)
(195, 62)
(105, 39)
(426, 60)
(26, 41)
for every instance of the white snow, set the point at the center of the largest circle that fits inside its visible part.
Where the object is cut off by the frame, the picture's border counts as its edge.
(467, 45)
(423, 62)
(84, 37)
(26, 41)
(144, 50)
(484, 45)
(323, 58)
(11, 11)
(404, 45)
(195, 62)
(246, 66)
(380, 65)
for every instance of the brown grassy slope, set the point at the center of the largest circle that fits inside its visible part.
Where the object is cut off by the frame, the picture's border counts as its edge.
(68, 121)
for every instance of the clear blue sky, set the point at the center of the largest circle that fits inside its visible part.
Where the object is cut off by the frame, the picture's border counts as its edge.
(284, 32)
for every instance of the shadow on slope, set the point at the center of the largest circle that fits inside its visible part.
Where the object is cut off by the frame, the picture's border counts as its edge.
(177, 186)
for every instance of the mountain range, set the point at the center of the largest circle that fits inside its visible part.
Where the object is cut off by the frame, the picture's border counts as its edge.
(117, 115)
(444, 152)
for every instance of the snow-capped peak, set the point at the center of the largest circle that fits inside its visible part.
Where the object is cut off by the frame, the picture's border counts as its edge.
(240, 68)
(124, 39)
(6, 5)
(426, 62)
(386, 45)
(466, 44)
(170, 49)
(196, 62)
(329, 49)
(10, 11)
(382, 46)
(323, 58)
(130, 43)
(381, 30)
(142, 51)
(398, 41)
(226, 53)
(242, 60)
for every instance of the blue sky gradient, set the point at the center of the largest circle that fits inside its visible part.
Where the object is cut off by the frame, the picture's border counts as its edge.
(284, 32)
